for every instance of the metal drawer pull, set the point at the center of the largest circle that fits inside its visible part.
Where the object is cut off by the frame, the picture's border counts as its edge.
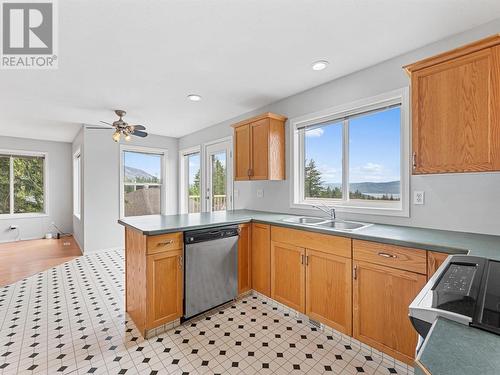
(387, 255)
(169, 242)
(302, 259)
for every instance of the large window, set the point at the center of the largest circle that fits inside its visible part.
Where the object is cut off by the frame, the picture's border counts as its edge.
(22, 184)
(142, 182)
(353, 159)
(191, 180)
(77, 168)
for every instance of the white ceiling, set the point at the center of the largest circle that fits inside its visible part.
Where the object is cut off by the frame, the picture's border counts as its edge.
(146, 56)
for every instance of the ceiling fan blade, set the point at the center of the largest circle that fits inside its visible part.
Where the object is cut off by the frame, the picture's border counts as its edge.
(140, 133)
(139, 127)
(107, 123)
(97, 127)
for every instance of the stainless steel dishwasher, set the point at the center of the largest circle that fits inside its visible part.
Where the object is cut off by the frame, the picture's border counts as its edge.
(211, 268)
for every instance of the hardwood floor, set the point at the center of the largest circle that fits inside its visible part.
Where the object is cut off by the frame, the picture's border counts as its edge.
(25, 258)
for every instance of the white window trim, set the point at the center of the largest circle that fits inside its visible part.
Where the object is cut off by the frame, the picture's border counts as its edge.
(77, 198)
(163, 177)
(184, 177)
(45, 212)
(369, 208)
(230, 165)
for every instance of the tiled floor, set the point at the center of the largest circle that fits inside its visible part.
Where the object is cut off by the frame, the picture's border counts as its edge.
(70, 319)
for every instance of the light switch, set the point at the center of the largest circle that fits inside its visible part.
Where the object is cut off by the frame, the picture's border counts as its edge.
(260, 193)
(418, 197)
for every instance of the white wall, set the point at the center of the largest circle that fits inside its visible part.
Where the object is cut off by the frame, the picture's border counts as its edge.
(60, 204)
(101, 181)
(78, 230)
(464, 202)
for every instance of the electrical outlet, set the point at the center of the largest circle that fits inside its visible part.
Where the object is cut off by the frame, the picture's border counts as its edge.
(418, 197)
(13, 227)
(260, 193)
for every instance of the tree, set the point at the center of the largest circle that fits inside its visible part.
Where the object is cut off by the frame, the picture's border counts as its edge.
(194, 188)
(28, 184)
(218, 178)
(313, 185)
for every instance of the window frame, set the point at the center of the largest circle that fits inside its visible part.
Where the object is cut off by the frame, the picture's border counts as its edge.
(184, 177)
(77, 184)
(163, 166)
(400, 96)
(12, 214)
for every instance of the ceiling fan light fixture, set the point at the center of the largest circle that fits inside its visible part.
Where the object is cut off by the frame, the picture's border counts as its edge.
(116, 136)
(127, 137)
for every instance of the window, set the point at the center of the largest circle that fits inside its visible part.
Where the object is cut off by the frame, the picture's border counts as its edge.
(191, 180)
(77, 184)
(143, 177)
(22, 183)
(353, 158)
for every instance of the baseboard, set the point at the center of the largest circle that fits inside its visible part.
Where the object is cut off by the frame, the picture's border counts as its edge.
(22, 239)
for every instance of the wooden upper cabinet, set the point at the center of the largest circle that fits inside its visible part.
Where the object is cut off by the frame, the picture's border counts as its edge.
(242, 152)
(244, 266)
(456, 110)
(259, 148)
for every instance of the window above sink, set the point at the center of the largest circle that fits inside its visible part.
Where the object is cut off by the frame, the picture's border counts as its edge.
(354, 157)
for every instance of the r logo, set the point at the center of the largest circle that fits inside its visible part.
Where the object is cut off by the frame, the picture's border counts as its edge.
(27, 28)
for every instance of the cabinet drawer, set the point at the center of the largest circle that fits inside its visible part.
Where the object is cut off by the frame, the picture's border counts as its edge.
(327, 243)
(164, 242)
(403, 258)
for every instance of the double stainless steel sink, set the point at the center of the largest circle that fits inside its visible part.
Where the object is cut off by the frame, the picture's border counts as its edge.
(336, 224)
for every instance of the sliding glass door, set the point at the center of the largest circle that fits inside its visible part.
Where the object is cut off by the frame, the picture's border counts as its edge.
(219, 195)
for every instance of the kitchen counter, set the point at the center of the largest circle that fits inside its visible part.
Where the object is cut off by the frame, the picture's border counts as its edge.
(455, 349)
(451, 349)
(428, 239)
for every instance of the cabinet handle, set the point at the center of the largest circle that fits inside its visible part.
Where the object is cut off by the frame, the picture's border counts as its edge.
(355, 272)
(387, 255)
(414, 160)
(180, 262)
(302, 259)
(248, 172)
(168, 242)
(307, 260)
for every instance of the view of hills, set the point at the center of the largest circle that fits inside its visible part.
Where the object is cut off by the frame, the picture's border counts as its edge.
(136, 174)
(391, 187)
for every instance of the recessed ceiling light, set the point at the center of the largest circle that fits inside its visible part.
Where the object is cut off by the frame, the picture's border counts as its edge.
(194, 97)
(320, 65)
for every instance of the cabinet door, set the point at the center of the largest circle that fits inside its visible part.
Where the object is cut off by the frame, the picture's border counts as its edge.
(242, 152)
(381, 296)
(259, 136)
(261, 258)
(434, 260)
(164, 289)
(328, 290)
(288, 275)
(456, 116)
(244, 246)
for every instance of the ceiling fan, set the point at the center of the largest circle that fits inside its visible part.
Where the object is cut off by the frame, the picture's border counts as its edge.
(122, 128)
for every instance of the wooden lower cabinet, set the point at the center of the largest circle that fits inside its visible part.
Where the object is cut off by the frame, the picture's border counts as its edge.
(328, 290)
(261, 258)
(434, 261)
(244, 260)
(381, 296)
(288, 275)
(164, 287)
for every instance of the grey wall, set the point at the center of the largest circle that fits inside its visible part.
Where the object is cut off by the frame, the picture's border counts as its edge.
(464, 202)
(60, 204)
(102, 186)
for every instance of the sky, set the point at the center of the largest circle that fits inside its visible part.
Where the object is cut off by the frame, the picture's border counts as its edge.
(149, 163)
(374, 148)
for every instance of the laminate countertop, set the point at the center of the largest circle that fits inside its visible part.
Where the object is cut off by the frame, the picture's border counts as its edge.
(452, 348)
(449, 242)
